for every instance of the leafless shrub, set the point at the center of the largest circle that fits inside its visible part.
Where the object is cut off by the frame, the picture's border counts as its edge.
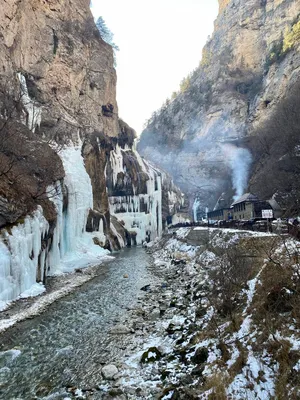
(229, 279)
(275, 147)
(28, 166)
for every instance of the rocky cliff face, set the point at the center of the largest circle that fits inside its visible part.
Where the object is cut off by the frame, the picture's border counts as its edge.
(249, 65)
(68, 165)
(67, 66)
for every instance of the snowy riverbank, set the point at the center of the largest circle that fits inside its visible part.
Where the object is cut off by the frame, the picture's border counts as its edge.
(196, 335)
(218, 319)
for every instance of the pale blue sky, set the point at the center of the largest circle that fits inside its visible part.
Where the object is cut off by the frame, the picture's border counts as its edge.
(160, 43)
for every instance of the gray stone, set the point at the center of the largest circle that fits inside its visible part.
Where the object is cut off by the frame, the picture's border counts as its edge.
(120, 330)
(109, 372)
(155, 314)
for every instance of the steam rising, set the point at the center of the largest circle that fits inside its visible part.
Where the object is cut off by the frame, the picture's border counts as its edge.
(195, 209)
(202, 162)
(239, 160)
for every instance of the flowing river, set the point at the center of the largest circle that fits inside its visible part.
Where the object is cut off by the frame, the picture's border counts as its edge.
(70, 342)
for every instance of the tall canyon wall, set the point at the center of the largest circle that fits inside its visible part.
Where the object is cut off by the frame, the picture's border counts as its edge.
(72, 184)
(234, 117)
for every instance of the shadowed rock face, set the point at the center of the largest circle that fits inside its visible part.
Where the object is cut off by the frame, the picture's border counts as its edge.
(242, 76)
(27, 168)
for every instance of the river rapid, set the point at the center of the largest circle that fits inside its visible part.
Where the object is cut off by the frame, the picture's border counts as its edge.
(70, 342)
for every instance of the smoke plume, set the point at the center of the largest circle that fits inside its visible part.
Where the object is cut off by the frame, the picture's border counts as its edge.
(239, 160)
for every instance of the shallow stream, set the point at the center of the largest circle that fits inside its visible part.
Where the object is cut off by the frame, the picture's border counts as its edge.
(70, 342)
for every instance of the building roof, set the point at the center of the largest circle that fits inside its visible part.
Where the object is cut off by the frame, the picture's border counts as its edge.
(249, 197)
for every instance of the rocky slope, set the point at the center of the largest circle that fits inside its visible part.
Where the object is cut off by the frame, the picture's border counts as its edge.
(66, 158)
(218, 319)
(248, 69)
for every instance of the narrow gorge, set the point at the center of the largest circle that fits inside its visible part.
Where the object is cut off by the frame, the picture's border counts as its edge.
(73, 186)
(160, 266)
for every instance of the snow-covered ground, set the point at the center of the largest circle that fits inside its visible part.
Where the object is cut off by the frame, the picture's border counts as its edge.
(203, 353)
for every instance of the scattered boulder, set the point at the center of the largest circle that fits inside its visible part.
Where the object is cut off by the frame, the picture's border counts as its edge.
(145, 288)
(200, 356)
(109, 372)
(151, 355)
(198, 370)
(178, 262)
(155, 314)
(160, 263)
(181, 353)
(165, 373)
(115, 394)
(200, 311)
(120, 330)
(163, 308)
(169, 393)
(98, 242)
(173, 328)
(125, 276)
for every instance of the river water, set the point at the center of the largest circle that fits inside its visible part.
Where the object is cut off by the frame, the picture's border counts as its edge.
(69, 343)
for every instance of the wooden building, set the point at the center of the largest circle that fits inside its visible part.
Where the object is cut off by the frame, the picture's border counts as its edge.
(224, 214)
(249, 206)
(245, 208)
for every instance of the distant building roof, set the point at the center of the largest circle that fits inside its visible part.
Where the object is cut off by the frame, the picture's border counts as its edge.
(246, 197)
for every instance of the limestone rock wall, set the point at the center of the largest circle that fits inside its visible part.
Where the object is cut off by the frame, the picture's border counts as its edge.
(68, 67)
(64, 153)
(244, 73)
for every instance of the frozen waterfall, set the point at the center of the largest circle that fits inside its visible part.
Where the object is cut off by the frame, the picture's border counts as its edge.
(20, 250)
(34, 112)
(73, 247)
(141, 213)
(25, 253)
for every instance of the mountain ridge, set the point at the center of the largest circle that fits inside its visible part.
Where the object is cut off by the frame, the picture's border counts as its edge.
(249, 65)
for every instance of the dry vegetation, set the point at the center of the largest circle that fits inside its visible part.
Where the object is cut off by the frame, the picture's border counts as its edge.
(268, 268)
(28, 166)
(275, 147)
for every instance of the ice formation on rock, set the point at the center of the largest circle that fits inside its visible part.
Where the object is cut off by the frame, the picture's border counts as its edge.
(72, 246)
(32, 249)
(34, 112)
(141, 213)
(25, 253)
(20, 252)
